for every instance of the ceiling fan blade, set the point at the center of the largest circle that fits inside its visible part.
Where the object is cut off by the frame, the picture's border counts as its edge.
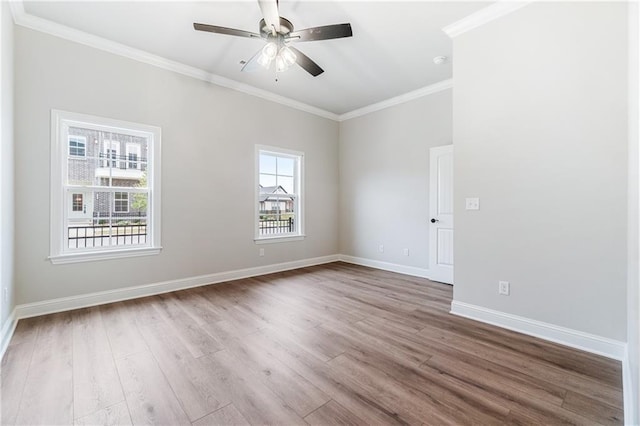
(306, 63)
(270, 13)
(321, 33)
(252, 64)
(224, 30)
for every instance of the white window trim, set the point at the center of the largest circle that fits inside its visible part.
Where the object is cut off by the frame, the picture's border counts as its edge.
(59, 153)
(80, 139)
(282, 238)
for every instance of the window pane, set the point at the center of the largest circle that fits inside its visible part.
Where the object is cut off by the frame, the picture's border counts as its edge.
(129, 219)
(88, 227)
(267, 164)
(267, 180)
(287, 184)
(81, 171)
(285, 166)
(110, 159)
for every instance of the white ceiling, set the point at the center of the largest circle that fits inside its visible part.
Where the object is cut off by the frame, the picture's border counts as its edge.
(391, 51)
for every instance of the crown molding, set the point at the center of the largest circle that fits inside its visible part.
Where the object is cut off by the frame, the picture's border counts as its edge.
(24, 19)
(424, 91)
(483, 16)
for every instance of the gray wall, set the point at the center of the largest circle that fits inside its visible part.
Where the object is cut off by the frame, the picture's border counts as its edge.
(384, 179)
(540, 135)
(633, 279)
(6, 164)
(208, 139)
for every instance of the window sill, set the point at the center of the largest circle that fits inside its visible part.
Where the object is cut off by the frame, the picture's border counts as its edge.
(281, 239)
(103, 255)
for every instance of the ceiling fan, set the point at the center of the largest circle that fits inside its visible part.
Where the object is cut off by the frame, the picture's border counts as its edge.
(279, 34)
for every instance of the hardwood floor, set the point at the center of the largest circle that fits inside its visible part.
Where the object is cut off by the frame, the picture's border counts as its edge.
(332, 344)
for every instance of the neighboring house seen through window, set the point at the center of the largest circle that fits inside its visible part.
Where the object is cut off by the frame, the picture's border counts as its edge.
(103, 205)
(279, 194)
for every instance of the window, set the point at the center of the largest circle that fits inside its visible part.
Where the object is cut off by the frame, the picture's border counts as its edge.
(121, 202)
(279, 179)
(100, 209)
(77, 146)
(77, 203)
(133, 152)
(111, 152)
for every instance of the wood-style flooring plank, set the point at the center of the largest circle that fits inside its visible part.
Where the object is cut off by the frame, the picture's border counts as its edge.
(122, 331)
(15, 366)
(341, 388)
(588, 386)
(298, 393)
(150, 399)
(197, 341)
(329, 344)
(26, 331)
(227, 415)
(257, 403)
(194, 384)
(48, 392)
(114, 415)
(333, 414)
(587, 407)
(93, 388)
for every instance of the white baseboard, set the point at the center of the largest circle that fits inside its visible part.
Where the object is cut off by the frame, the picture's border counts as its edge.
(630, 397)
(100, 298)
(6, 333)
(554, 333)
(393, 267)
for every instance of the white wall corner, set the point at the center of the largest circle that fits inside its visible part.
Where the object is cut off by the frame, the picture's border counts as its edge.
(6, 333)
(17, 10)
(565, 336)
(385, 266)
(100, 298)
(483, 16)
(630, 403)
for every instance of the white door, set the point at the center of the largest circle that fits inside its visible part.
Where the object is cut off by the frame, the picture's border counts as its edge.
(441, 211)
(80, 208)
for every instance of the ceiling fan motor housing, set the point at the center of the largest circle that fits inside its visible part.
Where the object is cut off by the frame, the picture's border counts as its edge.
(285, 28)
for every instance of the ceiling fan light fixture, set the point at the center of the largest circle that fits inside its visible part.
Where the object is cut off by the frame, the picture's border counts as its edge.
(264, 61)
(270, 50)
(267, 55)
(288, 56)
(277, 31)
(281, 64)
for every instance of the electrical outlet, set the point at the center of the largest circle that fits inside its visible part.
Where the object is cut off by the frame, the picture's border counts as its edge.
(5, 293)
(261, 252)
(472, 203)
(503, 288)
(381, 248)
(405, 252)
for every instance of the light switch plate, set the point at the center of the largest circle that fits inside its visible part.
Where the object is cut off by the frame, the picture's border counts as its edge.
(472, 203)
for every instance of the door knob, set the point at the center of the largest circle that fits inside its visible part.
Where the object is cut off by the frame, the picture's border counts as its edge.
(433, 220)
